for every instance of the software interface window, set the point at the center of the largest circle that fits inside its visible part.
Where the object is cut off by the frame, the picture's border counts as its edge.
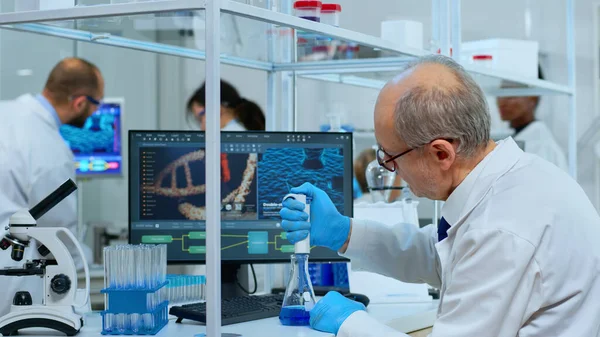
(167, 189)
(97, 146)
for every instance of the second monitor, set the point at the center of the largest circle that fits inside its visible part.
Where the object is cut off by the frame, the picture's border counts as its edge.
(167, 190)
(97, 145)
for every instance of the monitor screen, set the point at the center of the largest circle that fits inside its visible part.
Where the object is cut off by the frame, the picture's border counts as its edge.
(167, 190)
(97, 146)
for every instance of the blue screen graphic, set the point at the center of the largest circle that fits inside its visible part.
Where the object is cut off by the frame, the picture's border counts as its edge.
(97, 146)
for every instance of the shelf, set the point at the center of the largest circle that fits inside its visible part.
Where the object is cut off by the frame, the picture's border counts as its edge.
(374, 73)
(117, 41)
(134, 26)
(98, 11)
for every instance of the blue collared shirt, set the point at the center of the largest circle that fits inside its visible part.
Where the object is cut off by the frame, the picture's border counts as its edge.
(46, 104)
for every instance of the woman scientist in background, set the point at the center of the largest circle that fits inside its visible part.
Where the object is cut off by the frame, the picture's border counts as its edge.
(237, 113)
(538, 139)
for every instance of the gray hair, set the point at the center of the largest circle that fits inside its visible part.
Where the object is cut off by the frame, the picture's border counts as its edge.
(460, 112)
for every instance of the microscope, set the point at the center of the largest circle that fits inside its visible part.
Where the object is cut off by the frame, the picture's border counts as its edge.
(56, 267)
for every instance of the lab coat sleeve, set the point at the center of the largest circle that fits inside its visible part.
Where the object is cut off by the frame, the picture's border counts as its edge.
(13, 187)
(360, 324)
(403, 251)
(493, 290)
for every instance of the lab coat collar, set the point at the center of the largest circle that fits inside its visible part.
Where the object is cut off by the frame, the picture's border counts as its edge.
(479, 181)
(233, 125)
(48, 106)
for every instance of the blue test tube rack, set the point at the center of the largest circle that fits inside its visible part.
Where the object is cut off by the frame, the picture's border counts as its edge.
(135, 301)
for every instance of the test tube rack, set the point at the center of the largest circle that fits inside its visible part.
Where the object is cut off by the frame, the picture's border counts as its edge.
(149, 306)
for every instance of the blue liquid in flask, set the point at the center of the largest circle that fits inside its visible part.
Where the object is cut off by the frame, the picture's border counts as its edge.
(294, 315)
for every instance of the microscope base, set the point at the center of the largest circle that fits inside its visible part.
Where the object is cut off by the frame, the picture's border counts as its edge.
(55, 318)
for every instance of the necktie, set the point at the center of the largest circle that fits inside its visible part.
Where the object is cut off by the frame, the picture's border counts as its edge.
(443, 227)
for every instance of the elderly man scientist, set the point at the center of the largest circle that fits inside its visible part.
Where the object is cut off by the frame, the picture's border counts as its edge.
(511, 256)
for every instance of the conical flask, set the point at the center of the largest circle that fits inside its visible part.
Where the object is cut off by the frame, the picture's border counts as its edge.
(379, 181)
(299, 294)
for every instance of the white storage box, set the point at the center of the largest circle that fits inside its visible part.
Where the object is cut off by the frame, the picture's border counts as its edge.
(403, 32)
(390, 214)
(519, 57)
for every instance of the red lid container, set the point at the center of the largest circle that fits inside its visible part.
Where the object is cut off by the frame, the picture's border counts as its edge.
(482, 57)
(331, 8)
(307, 4)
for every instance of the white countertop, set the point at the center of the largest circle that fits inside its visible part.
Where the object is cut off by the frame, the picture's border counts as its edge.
(405, 317)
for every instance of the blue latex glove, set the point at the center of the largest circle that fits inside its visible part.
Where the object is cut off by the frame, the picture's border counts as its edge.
(331, 311)
(328, 228)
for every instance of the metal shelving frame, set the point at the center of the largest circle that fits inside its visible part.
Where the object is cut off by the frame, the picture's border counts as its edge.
(446, 32)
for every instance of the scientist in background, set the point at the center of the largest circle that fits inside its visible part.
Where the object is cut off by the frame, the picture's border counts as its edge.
(510, 256)
(237, 113)
(520, 113)
(35, 160)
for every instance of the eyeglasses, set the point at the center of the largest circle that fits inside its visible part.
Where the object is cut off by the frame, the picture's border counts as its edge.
(388, 161)
(93, 100)
(89, 99)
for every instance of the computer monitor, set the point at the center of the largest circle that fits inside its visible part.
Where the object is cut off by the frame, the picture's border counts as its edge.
(167, 190)
(97, 146)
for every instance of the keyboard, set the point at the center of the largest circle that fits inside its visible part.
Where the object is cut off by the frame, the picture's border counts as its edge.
(234, 310)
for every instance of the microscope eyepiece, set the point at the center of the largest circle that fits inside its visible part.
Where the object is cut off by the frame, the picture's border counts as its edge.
(4, 244)
(17, 252)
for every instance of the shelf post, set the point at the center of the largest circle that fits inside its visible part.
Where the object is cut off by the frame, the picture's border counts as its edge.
(288, 78)
(435, 26)
(272, 39)
(571, 60)
(444, 27)
(456, 24)
(213, 167)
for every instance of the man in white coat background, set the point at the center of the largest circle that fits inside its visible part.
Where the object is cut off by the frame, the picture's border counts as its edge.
(510, 256)
(538, 139)
(35, 160)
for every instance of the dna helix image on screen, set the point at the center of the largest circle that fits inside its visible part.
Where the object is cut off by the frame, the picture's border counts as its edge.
(174, 178)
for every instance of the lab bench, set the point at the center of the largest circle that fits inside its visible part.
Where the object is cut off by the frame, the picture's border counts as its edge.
(407, 317)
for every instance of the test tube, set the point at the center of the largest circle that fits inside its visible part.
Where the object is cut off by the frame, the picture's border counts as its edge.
(184, 288)
(123, 264)
(148, 322)
(203, 288)
(106, 268)
(121, 318)
(176, 281)
(108, 322)
(200, 298)
(135, 323)
(148, 267)
(131, 269)
(162, 263)
(114, 260)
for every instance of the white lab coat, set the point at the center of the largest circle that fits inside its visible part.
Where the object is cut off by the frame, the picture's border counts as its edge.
(34, 161)
(540, 141)
(233, 125)
(521, 257)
